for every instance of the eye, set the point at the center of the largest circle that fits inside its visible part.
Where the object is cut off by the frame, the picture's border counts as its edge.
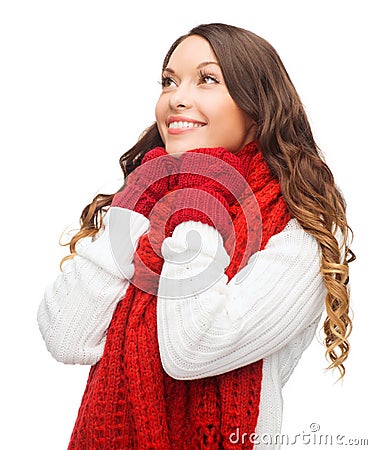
(167, 82)
(207, 78)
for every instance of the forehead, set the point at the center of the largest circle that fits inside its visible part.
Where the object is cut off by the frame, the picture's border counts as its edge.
(191, 52)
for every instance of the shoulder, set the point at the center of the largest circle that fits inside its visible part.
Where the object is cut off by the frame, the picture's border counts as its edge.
(293, 234)
(291, 253)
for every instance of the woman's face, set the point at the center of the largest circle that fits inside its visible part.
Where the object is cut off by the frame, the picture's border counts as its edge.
(195, 109)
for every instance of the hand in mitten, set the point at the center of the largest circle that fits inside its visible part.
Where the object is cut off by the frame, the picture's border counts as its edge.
(148, 183)
(209, 180)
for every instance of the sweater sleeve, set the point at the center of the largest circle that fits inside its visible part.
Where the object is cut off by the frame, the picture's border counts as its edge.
(77, 308)
(207, 325)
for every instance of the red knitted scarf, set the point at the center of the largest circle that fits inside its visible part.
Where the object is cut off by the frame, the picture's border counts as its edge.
(131, 403)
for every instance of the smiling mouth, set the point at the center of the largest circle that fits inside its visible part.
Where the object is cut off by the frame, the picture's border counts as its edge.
(184, 125)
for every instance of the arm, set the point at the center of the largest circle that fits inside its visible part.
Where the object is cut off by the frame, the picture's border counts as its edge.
(207, 326)
(77, 308)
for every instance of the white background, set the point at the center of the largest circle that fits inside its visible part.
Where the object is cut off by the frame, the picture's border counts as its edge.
(78, 84)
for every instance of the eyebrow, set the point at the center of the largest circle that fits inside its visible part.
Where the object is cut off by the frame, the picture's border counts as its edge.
(206, 63)
(199, 66)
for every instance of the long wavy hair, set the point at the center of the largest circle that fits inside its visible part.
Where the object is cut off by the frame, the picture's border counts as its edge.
(258, 82)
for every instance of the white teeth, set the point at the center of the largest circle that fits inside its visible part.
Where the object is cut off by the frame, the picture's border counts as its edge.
(184, 125)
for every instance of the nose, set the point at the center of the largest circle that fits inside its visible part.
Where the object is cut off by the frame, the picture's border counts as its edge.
(181, 98)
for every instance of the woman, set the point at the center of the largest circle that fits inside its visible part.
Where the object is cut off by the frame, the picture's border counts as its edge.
(195, 299)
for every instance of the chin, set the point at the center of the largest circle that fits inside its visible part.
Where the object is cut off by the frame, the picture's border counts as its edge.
(182, 147)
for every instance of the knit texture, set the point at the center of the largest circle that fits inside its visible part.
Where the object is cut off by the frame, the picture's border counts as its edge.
(129, 401)
(209, 181)
(148, 183)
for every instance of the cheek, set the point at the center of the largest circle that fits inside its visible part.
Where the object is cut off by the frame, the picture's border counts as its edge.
(224, 112)
(229, 126)
(229, 121)
(160, 115)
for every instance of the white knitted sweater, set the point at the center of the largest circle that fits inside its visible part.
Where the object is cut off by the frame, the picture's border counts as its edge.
(268, 311)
